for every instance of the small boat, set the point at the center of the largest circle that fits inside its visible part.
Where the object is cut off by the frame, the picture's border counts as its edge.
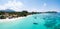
(35, 23)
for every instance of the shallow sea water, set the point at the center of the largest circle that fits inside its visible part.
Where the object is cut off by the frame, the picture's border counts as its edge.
(36, 21)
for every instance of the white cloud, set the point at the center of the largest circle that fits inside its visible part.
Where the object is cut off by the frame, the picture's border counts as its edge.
(19, 6)
(15, 5)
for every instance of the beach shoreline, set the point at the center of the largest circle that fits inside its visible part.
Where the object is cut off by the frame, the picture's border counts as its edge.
(13, 19)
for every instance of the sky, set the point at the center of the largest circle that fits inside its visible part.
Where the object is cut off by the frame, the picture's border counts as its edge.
(30, 5)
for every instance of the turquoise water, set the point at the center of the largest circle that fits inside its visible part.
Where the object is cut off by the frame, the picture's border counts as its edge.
(36, 21)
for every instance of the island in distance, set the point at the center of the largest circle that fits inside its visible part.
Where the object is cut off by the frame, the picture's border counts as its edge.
(9, 13)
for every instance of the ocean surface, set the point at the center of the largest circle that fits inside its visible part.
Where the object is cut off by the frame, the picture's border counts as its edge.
(36, 21)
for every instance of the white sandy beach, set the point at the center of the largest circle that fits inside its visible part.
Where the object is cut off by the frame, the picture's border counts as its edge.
(13, 19)
(10, 20)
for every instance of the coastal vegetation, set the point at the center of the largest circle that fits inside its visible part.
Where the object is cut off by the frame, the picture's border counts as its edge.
(13, 14)
(4, 15)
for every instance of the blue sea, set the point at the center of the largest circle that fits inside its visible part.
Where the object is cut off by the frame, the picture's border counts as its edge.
(35, 21)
